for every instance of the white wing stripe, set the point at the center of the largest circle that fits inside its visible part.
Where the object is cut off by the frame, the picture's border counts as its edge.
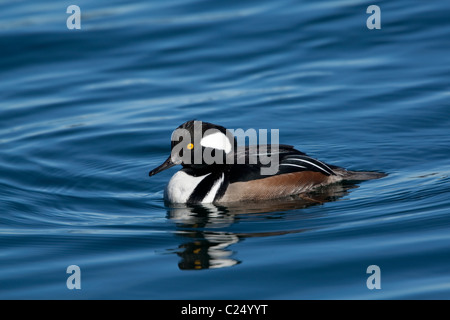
(292, 165)
(302, 160)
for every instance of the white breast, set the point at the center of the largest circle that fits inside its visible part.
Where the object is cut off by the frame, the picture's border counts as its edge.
(181, 186)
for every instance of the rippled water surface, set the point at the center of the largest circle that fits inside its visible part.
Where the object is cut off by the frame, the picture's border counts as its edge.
(85, 114)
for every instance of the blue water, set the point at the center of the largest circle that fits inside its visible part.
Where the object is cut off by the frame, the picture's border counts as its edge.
(85, 114)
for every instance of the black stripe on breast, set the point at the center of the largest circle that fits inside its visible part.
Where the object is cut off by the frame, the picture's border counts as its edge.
(223, 187)
(202, 189)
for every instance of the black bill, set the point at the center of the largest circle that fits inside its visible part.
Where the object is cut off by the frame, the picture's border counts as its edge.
(166, 165)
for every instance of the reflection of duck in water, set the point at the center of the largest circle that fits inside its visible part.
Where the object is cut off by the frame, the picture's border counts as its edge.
(205, 224)
(208, 249)
(243, 178)
(208, 253)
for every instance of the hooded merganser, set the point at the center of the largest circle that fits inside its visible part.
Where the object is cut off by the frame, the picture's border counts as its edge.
(237, 173)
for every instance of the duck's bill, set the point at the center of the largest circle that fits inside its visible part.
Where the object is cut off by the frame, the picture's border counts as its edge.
(166, 165)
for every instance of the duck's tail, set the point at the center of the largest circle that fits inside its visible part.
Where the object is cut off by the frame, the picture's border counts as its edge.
(348, 175)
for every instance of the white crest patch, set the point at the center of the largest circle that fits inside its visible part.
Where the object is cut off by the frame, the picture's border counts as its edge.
(216, 140)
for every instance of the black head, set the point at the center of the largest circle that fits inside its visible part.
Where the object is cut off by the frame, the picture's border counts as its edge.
(198, 145)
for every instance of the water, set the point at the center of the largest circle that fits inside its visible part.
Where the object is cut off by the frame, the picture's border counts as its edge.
(85, 114)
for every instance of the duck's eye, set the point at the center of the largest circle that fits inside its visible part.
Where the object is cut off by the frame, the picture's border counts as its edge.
(190, 146)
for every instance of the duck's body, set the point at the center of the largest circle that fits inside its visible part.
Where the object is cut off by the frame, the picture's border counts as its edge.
(243, 179)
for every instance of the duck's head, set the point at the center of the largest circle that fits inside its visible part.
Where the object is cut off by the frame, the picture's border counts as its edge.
(197, 145)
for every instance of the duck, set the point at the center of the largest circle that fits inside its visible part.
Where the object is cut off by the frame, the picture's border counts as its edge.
(215, 169)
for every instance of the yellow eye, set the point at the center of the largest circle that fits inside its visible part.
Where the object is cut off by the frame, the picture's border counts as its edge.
(190, 146)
